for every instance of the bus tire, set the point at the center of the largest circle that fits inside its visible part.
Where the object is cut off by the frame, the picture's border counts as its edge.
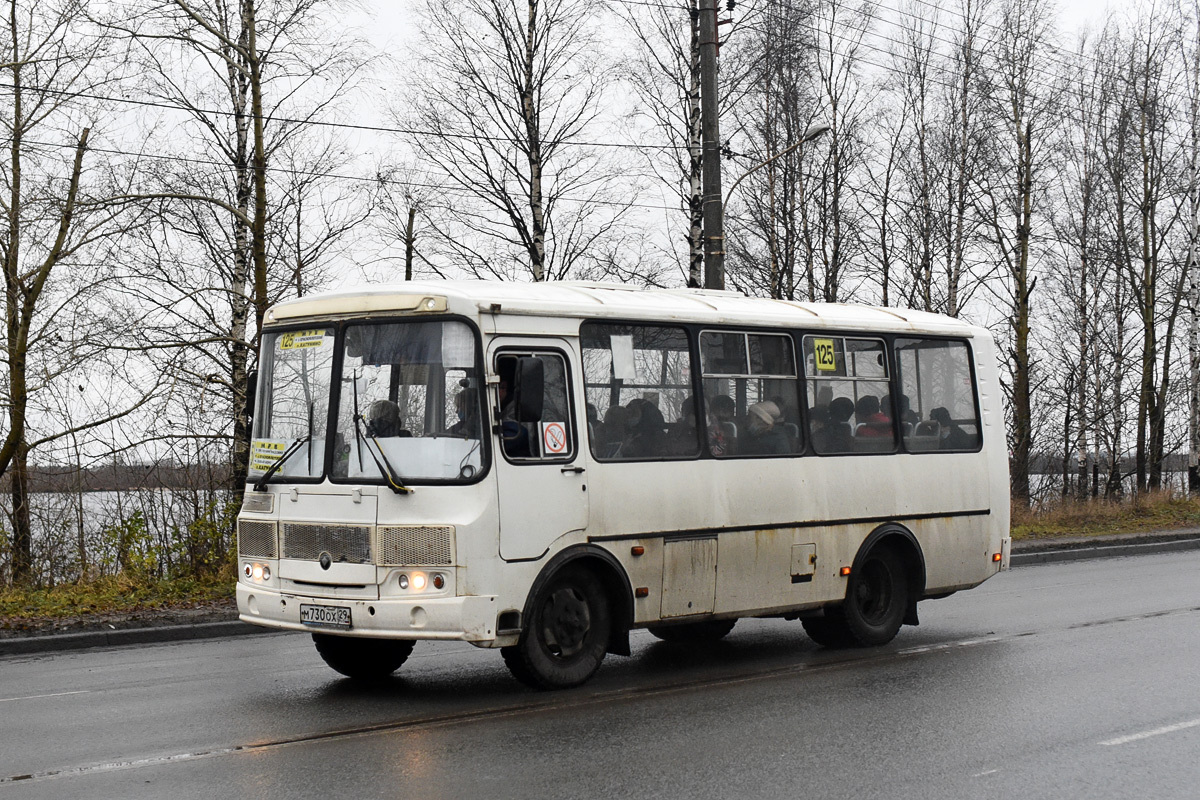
(363, 659)
(566, 634)
(710, 630)
(876, 599)
(827, 631)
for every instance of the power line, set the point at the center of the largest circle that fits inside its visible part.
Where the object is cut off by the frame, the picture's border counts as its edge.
(378, 179)
(163, 105)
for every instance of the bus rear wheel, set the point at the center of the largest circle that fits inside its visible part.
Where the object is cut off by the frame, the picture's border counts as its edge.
(709, 630)
(876, 599)
(828, 631)
(363, 659)
(566, 635)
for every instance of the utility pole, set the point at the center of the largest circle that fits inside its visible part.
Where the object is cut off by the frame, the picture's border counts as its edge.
(714, 224)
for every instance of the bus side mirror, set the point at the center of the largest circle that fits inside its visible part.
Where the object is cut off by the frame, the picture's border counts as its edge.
(529, 389)
(251, 391)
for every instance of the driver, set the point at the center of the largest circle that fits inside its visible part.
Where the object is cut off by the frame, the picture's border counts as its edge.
(383, 419)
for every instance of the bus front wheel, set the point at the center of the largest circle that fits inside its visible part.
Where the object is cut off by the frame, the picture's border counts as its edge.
(876, 599)
(566, 635)
(363, 659)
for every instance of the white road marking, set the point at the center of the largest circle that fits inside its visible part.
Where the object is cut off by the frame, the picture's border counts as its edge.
(1179, 726)
(40, 696)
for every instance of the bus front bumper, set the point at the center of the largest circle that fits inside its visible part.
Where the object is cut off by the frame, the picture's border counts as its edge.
(469, 619)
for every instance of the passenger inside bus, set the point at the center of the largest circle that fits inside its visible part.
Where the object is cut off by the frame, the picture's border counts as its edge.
(514, 435)
(907, 415)
(872, 422)
(722, 432)
(841, 435)
(951, 436)
(383, 419)
(764, 431)
(683, 435)
(646, 436)
(467, 412)
(610, 434)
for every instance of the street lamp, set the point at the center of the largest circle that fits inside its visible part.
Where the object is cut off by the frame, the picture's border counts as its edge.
(813, 132)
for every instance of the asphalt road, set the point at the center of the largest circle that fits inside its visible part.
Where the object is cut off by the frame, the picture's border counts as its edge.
(1062, 680)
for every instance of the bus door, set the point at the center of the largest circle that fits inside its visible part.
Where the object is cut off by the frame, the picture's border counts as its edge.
(540, 475)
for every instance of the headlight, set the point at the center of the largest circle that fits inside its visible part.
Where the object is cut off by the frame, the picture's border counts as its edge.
(256, 572)
(403, 581)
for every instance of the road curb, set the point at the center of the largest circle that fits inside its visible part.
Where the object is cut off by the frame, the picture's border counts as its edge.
(1081, 551)
(32, 645)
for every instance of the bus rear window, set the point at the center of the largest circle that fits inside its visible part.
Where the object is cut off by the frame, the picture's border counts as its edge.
(938, 410)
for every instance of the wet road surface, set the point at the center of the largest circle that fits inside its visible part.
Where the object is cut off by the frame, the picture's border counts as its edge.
(1066, 680)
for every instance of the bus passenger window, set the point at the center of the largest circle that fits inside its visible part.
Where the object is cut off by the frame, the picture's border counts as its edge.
(751, 394)
(937, 395)
(849, 395)
(637, 379)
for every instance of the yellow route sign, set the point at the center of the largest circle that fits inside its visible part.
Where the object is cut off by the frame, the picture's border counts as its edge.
(299, 340)
(264, 454)
(825, 355)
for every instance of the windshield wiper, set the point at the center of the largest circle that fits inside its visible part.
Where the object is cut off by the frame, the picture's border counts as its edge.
(261, 483)
(385, 468)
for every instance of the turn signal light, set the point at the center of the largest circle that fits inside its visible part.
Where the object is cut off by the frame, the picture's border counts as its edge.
(995, 556)
(845, 571)
(642, 591)
(637, 550)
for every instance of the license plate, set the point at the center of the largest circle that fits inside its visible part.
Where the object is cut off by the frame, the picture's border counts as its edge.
(325, 616)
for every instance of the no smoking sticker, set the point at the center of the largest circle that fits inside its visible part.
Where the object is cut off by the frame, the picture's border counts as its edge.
(554, 438)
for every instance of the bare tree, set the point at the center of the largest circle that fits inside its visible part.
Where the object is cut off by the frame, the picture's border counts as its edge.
(915, 63)
(1084, 272)
(249, 82)
(58, 234)
(664, 75)
(1150, 80)
(1191, 60)
(1023, 104)
(962, 150)
(769, 238)
(842, 28)
(504, 95)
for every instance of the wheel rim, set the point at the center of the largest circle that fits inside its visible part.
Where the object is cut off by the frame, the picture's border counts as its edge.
(873, 592)
(566, 620)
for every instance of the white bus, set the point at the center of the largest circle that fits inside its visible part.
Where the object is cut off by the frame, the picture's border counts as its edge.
(542, 468)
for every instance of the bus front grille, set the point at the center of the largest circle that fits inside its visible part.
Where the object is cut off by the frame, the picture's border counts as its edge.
(345, 543)
(416, 545)
(256, 539)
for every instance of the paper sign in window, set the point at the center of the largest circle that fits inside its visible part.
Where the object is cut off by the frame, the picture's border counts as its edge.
(622, 355)
(264, 453)
(554, 438)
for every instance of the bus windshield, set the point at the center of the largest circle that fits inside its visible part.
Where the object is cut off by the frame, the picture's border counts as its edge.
(292, 412)
(409, 403)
